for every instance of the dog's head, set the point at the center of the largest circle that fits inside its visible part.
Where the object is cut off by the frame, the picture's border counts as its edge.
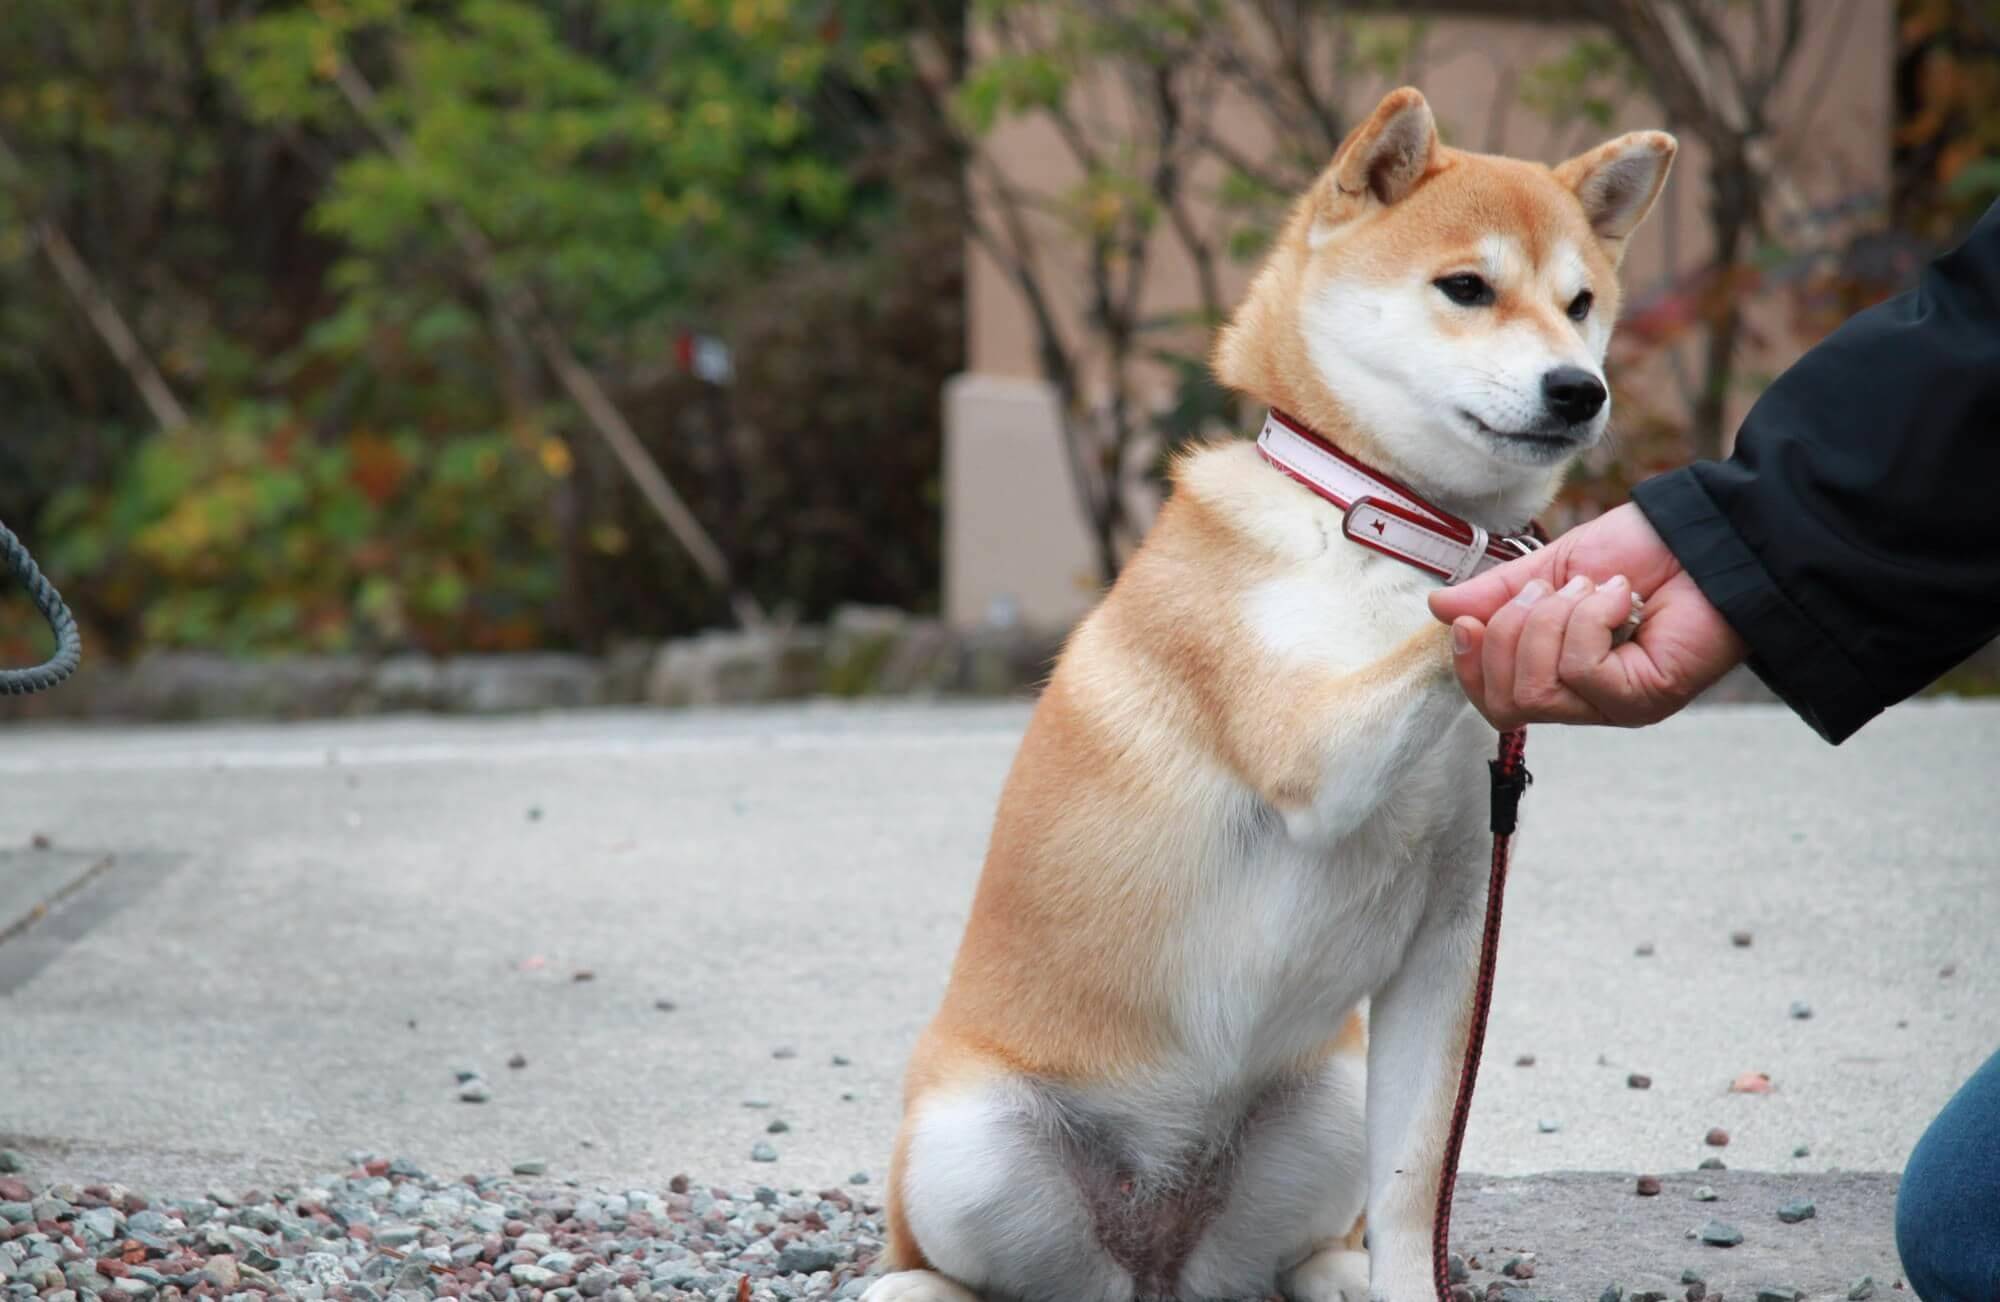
(1448, 312)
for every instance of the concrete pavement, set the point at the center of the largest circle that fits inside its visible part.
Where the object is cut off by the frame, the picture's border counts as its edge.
(304, 929)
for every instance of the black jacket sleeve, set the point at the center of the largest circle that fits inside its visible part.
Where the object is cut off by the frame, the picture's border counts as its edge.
(1853, 539)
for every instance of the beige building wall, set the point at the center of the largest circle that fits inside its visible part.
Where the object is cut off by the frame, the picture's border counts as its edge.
(1015, 545)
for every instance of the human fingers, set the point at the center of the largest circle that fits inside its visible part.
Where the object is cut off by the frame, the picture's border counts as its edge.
(1539, 692)
(1497, 652)
(1483, 596)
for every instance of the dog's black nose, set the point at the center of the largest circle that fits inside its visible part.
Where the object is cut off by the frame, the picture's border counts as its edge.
(1573, 394)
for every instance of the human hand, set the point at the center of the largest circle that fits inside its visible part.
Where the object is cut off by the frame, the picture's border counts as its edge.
(1533, 640)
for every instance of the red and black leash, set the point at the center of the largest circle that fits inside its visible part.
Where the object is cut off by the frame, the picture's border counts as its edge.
(1510, 779)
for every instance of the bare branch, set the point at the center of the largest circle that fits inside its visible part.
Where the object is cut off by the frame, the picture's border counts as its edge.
(104, 315)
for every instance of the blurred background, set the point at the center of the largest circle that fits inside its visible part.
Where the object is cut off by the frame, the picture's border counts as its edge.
(731, 349)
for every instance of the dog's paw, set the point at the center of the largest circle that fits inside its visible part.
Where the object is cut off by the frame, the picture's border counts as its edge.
(1329, 1275)
(922, 1286)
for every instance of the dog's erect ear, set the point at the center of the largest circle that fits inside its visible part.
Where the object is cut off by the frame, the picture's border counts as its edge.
(1617, 182)
(1381, 160)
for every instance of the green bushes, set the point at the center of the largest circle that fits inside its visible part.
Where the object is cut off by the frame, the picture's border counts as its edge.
(376, 457)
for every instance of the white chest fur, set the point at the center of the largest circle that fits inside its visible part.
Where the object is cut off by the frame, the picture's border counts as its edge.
(1304, 912)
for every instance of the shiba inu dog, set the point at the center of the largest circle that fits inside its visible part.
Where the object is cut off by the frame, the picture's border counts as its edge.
(1252, 796)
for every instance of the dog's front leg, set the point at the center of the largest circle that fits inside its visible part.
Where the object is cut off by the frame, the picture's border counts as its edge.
(1417, 1028)
(1325, 754)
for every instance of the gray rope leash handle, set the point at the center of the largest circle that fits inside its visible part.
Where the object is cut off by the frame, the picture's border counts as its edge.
(69, 646)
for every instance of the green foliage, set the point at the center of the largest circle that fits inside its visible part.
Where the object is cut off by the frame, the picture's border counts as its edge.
(376, 458)
(1009, 84)
(1582, 84)
(255, 535)
(629, 166)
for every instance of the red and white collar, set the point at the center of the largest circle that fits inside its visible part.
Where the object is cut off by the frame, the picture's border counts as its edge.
(1385, 515)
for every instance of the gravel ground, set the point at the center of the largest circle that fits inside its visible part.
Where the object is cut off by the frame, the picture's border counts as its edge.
(382, 1228)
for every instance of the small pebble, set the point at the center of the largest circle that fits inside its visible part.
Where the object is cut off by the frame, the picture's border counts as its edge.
(1801, 1010)
(1800, 1210)
(1802, 1151)
(1712, 1164)
(1689, 1275)
(1613, 1292)
(518, 1061)
(784, 1051)
(1638, 1081)
(1948, 971)
(1548, 1126)
(1525, 1060)
(848, 1096)
(534, 813)
(859, 1177)
(1455, 1269)
(1644, 949)
(1861, 1289)
(465, 1074)
(1649, 1295)
(11, 1162)
(1697, 1291)
(778, 1126)
(1751, 1082)
(583, 974)
(1740, 939)
(665, 1005)
(474, 1091)
(1649, 1186)
(532, 1166)
(1720, 1234)
(1705, 1194)
(800, 1259)
(1778, 1293)
(40, 841)
(1717, 1138)
(1520, 1266)
(841, 1060)
(763, 1152)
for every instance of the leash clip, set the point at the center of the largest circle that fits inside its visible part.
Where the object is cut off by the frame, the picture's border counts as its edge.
(1509, 781)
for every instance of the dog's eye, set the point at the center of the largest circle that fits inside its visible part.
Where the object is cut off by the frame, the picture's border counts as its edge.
(1466, 290)
(1579, 307)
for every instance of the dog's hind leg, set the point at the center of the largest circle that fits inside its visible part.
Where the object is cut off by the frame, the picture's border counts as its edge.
(984, 1197)
(1296, 1189)
(918, 1286)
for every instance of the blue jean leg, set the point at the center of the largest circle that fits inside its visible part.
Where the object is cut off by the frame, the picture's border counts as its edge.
(1948, 1206)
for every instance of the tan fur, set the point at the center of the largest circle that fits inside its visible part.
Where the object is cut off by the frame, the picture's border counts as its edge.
(1464, 195)
(1170, 701)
